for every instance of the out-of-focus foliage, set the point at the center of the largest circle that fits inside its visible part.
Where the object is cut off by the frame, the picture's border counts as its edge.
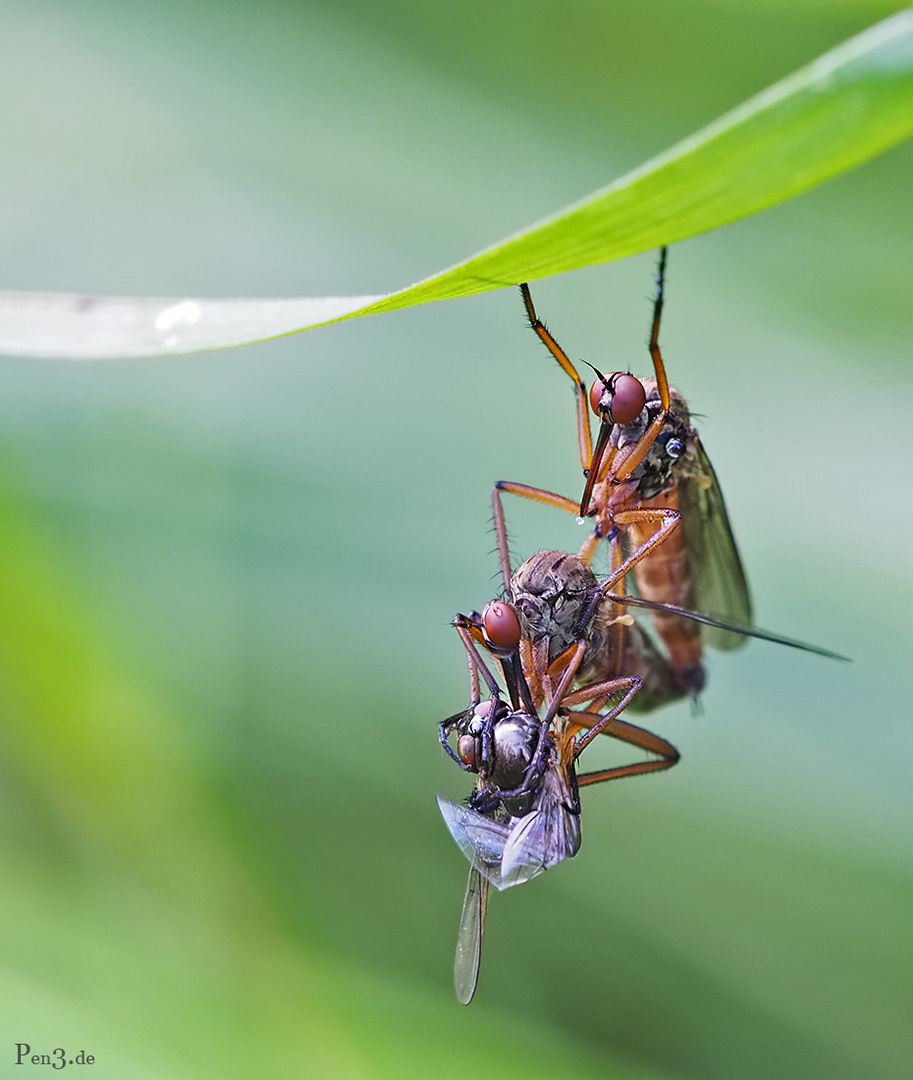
(225, 581)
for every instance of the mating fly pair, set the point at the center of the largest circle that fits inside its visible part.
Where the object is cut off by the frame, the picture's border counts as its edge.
(656, 501)
(563, 639)
(654, 498)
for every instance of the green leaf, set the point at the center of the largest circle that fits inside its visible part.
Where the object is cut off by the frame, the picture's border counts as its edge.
(844, 108)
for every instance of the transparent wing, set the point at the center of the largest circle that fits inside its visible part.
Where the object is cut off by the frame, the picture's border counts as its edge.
(539, 841)
(482, 839)
(544, 838)
(514, 852)
(718, 582)
(469, 938)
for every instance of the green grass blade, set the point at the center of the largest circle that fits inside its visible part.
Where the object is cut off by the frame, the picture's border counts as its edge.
(830, 116)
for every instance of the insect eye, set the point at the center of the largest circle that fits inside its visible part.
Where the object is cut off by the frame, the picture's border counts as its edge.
(501, 625)
(675, 448)
(466, 751)
(628, 399)
(597, 392)
(620, 398)
(481, 714)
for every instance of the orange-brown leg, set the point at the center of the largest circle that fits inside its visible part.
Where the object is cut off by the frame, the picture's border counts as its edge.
(561, 695)
(668, 519)
(621, 468)
(618, 639)
(588, 550)
(476, 665)
(596, 722)
(625, 466)
(659, 368)
(531, 672)
(603, 458)
(547, 498)
(635, 736)
(501, 538)
(584, 437)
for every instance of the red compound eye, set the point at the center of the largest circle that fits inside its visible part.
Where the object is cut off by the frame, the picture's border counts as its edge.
(628, 399)
(501, 625)
(622, 399)
(466, 751)
(596, 393)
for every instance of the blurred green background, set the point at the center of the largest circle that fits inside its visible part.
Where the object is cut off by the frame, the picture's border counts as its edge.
(226, 581)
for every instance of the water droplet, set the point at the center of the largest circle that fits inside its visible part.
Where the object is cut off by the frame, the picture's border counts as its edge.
(176, 318)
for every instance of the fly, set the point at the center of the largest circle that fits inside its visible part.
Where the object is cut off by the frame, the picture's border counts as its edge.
(655, 498)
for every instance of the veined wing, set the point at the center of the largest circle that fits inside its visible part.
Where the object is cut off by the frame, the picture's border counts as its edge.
(515, 851)
(481, 838)
(469, 939)
(545, 837)
(718, 583)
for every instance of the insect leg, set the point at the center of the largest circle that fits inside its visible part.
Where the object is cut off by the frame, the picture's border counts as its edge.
(584, 436)
(596, 722)
(659, 368)
(501, 537)
(668, 520)
(547, 498)
(628, 733)
(623, 467)
(476, 666)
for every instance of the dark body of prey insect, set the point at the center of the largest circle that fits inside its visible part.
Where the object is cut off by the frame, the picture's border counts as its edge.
(524, 815)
